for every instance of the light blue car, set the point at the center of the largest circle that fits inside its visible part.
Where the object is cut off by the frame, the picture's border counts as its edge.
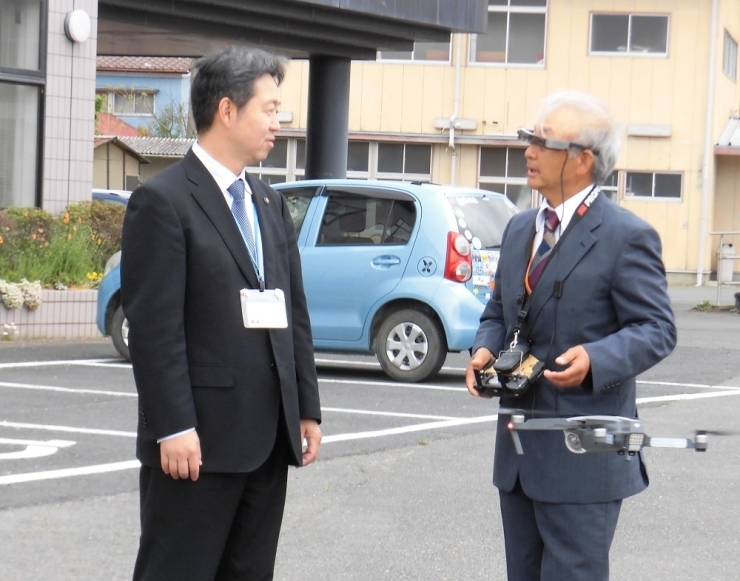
(398, 269)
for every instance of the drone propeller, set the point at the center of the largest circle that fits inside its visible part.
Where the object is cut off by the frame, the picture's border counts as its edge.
(719, 432)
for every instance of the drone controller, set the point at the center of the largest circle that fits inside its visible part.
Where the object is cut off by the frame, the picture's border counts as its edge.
(511, 374)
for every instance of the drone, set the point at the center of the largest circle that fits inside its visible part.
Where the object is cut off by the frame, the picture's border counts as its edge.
(625, 436)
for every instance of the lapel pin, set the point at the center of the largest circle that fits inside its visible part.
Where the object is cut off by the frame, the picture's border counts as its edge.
(266, 200)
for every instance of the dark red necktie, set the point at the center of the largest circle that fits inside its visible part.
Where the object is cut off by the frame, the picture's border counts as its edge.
(543, 251)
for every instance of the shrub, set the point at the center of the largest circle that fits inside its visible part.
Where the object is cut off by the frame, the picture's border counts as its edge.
(70, 249)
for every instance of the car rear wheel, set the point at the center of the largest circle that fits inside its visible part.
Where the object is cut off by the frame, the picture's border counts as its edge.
(409, 346)
(119, 333)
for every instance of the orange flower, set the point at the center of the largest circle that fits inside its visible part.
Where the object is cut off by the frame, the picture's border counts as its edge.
(69, 237)
(66, 218)
(33, 236)
(1, 239)
(41, 230)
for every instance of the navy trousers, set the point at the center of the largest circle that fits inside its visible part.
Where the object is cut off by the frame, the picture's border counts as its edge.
(557, 542)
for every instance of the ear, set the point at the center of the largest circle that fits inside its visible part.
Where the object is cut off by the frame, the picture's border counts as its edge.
(226, 112)
(586, 163)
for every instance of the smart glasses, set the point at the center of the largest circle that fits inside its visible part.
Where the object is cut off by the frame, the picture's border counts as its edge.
(529, 136)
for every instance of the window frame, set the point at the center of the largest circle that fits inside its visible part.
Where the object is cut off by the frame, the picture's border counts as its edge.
(505, 180)
(379, 58)
(629, 53)
(508, 10)
(652, 196)
(729, 58)
(114, 94)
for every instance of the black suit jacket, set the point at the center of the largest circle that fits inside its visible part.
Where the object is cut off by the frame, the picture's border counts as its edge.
(195, 365)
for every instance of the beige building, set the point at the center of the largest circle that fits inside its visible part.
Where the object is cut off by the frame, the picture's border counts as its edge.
(448, 112)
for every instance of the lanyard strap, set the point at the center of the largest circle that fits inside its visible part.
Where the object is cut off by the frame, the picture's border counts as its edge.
(525, 298)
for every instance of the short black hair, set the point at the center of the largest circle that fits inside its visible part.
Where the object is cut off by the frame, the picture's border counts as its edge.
(229, 73)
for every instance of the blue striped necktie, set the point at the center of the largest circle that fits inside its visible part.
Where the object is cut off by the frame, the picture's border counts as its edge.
(239, 209)
(543, 251)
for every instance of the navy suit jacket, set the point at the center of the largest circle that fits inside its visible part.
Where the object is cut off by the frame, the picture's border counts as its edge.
(183, 264)
(614, 303)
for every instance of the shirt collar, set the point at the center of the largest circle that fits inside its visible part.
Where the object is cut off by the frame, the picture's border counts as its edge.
(564, 211)
(223, 176)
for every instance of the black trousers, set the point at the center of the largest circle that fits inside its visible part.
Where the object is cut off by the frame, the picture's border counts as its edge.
(222, 527)
(554, 542)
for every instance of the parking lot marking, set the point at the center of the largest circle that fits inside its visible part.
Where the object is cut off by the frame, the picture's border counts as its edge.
(59, 362)
(66, 472)
(68, 429)
(33, 448)
(394, 384)
(67, 389)
(389, 414)
(687, 396)
(408, 429)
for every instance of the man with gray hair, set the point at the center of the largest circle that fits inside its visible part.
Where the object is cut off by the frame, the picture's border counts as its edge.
(220, 338)
(583, 283)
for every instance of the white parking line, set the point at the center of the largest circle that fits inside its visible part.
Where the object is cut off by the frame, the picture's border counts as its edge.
(389, 414)
(67, 389)
(66, 472)
(60, 362)
(68, 429)
(408, 429)
(394, 384)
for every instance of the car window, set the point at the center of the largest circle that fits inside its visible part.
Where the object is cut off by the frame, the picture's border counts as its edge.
(482, 218)
(298, 200)
(362, 220)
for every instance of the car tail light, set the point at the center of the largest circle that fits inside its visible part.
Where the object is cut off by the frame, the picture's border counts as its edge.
(459, 262)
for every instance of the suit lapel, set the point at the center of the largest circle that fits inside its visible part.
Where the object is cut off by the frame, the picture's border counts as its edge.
(571, 252)
(210, 198)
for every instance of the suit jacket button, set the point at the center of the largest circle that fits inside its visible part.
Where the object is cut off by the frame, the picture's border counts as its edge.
(273, 366)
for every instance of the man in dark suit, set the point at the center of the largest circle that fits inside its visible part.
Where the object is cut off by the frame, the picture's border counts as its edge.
(597, 315)
(223, 408)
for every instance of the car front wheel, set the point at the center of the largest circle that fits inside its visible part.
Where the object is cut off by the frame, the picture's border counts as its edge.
(409, 346)
(119, 333)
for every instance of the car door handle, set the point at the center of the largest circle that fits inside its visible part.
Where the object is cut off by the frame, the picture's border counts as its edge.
(385, 261)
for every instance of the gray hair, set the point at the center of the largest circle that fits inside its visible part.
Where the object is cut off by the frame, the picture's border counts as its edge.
(597, 130)
(230, 73)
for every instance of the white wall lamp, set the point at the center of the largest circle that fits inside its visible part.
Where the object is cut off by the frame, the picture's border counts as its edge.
(77, 26)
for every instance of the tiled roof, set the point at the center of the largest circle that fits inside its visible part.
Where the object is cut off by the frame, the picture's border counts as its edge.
(159, 146)
(107, 124)
(144, 64)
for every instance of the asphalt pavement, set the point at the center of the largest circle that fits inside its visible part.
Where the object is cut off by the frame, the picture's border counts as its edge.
(403, 488)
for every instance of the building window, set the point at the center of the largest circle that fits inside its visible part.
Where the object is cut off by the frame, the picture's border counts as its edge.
(399, 161)
(504, 170)
(610, 187)
(132, 103)
(653, 185)
(20, 34)
(629, 34)
(286, 161)
(423, 51)
(515, 34)
(19, 110)
(729, 57)
(274, 168)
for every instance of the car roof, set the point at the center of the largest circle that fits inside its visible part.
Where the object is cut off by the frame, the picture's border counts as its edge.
(121, 196)
(419, 188)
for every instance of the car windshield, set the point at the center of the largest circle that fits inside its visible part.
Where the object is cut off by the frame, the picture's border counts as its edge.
(482, 218)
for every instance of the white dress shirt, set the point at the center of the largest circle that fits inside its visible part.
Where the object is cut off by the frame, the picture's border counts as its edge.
(565, 213)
